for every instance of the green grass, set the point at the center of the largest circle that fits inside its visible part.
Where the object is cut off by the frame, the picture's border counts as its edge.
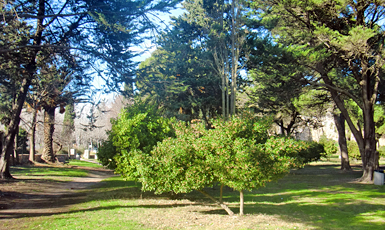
(47, 171)
(316, 197)
(84, 164)
(323, 198)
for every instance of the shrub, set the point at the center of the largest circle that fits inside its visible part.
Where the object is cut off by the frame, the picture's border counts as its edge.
(312, 152)
(230, 154)
(330, 146)
(302, 151)
(138, 129)
(353, 150)
(106, 153)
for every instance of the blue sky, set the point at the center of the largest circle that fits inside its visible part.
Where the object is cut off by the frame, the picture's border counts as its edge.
(146, 48)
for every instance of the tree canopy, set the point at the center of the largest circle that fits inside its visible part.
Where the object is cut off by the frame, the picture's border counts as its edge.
(342, 43)
(84, 35)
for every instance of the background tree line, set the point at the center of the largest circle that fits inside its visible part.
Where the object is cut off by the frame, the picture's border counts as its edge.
(300, 59)
(291, 60)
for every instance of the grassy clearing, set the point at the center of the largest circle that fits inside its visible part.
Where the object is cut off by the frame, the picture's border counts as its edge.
(84, 164)
(47, 172)
(316, 197)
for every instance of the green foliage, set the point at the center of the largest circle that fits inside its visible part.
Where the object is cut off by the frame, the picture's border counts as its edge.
(106, 153)
(136, 131)
(68, 121)
(330, 146)
(381, 151)
(302, 151)
(353, 150)
(236, 153)
(22, 139)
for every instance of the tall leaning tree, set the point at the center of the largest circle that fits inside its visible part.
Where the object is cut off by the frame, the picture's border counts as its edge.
(98, 34)
(342, 42)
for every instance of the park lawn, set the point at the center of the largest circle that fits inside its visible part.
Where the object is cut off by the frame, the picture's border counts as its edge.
(47, 172)
(316, 197)
(81, 163)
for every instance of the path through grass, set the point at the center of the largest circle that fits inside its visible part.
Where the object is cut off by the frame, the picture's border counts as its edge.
(316, 197)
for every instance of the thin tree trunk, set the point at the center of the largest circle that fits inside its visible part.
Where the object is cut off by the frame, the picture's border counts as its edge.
(233, 69)
(221, 194)
(227, 209)
(241, 202)
(15, 153)
(227, 94)
(223, 97)
(49, 119)
(12, 128)
(32, 149)
(339, 121)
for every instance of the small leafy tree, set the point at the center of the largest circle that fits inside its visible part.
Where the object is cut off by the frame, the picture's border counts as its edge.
(233, 153)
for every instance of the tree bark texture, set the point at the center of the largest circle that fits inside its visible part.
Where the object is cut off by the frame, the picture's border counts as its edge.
(49, 119)
(32, 150)
(241, 202)
(339, 121)
(15, 157)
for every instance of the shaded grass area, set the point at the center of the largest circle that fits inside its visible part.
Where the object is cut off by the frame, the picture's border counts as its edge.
(316, 197)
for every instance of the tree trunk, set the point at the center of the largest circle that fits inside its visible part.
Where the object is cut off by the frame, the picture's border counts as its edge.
(15, 153)
(223, 96)
(370, 155)
(221, 194)
(12, 129)
(233, 68)
(339, 121)
(32, 150)
(227, 94)
(241, 202)
(217, 202)
(367, 142)
(49, 119)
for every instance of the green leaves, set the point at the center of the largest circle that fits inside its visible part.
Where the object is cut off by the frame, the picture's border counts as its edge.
(237, 153)
(133, 135)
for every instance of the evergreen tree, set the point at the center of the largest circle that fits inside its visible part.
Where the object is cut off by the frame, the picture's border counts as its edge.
(342, 43)
(85, 33)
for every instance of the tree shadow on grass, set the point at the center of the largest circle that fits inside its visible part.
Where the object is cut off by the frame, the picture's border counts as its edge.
(316, 195)
(13, 215)
(323, 197)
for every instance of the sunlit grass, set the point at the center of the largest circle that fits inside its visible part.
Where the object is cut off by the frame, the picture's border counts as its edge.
(47, 171)
(84, 164)
(316, 197)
